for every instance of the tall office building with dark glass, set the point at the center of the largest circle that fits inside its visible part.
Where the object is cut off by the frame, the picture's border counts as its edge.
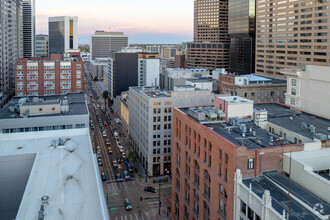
(29, 24)
(63, 34)
(241, 29)
(210, 48)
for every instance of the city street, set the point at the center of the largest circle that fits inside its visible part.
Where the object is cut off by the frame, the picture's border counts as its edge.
(116, 192)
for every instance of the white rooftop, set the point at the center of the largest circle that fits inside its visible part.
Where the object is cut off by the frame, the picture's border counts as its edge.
(234, 99)
(67, 174)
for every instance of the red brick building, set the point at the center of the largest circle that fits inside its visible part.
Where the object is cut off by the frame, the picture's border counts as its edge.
(209, 143)
(56, 74)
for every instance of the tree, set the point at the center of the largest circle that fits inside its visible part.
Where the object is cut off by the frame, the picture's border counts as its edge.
(133, 156)
(105, 96)
(96, 79)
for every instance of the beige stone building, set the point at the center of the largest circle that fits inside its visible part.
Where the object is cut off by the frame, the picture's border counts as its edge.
(309, 90)
(210, 48)
(291, 34)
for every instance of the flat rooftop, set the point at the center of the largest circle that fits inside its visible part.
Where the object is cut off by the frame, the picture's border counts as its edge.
(271, 182)
(152, 92)
(34, 167)
(201, 80)
(76, 101)
(257, 137)
(285, 117)
(262, 139)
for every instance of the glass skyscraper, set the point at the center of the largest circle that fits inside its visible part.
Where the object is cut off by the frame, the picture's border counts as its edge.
(241, 29)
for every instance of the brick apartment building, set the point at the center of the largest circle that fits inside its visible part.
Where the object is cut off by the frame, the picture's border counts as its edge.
(254, 87)
(210, 143)
(57, 74)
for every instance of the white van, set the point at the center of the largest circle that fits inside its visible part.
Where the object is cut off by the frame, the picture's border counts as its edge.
(115, 134)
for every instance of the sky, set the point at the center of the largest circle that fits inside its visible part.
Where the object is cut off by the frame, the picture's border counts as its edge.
(144, 21)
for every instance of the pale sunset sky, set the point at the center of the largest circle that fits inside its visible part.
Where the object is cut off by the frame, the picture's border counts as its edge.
(145, 21)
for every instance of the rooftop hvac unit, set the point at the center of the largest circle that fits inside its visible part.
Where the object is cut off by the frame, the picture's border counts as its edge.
(312, 129)
(196, 114)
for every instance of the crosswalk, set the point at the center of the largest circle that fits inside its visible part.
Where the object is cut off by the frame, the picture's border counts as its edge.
(153, 205)
(125, 185)
(133, 216)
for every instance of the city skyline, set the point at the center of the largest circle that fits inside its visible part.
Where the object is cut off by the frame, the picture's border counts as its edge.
(142, 21)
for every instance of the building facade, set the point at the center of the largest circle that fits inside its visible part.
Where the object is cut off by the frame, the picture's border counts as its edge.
(210, 48)
(150, 123)
(11, 43)
(241, 29)
(63, 34)
(210, 143)
(104, 44)
(253, 87)
(291, 35)
(41, 45)
(132, 67)
(170, 77)
(309, 90)
(54, 75)
(29, 28)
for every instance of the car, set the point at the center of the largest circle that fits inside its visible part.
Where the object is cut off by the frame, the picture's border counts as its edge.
(118, 142)
(126, 175)
(124, 155)
(104, 134)
(99, 161)
(115, 134)
(114, 163)
(118, 177)
(121, 149)
(103, 177)
(107, 142)
(149, 189)
(105, 123)
(128, 205)
(98, 155)
(131, 168)
(119, 160)
(102, 129)
(98, 105)
(110, 150)
(92, 126)
(98, 149)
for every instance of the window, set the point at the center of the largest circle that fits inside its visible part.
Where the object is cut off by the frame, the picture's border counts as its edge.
(293, 92)
(251, 164)
(293, 101)
(293, 82)
(227, 158)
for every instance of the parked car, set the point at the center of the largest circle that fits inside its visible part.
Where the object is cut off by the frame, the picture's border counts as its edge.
(131, 168)
(104, 134)
(98, 155)
(110, 150)
(115, 134)
(126, 175)
(99, 161)
(103, 177)
(118, 177)
(114, 163)
(98, 149)
(124, 155)
(121, 149)
(149, 189)
(128, 205)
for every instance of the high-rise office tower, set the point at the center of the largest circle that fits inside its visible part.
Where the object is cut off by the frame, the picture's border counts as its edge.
(10, 42)
(63, 34)
(104, 44)
(291, 34)
(210, 48)
(41, 45)
(241, 29)
(28, 28)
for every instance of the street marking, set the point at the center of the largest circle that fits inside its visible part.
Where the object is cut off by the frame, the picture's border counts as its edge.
(155, 202)
(125, 185)
(147, 215)
(125, 217)
(131, 217)
(121, 217)
(136, 216)
(116, 218)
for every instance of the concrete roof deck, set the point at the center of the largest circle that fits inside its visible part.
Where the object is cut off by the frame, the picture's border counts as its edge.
(76, 103)
(67, 174)
(280, 198)
(152, 91)
(281, 115)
